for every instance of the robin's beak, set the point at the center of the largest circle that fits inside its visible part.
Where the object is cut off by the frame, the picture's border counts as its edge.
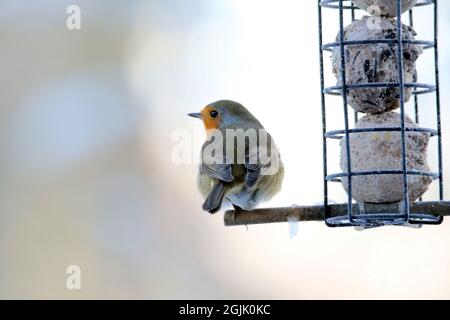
(195, 115)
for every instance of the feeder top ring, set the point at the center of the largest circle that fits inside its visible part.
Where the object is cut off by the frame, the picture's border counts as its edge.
(334, 4)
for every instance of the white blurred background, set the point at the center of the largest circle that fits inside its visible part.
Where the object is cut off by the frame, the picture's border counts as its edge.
(86, 175)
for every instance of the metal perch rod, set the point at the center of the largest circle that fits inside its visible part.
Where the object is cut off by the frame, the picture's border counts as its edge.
(317, 213)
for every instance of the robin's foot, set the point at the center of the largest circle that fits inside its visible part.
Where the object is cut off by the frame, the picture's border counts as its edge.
(236, 208)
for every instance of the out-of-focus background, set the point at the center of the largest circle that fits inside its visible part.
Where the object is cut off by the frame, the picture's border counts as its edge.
(86, 172)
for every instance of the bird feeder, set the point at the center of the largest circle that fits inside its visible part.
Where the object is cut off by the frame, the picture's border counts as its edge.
(384, 166)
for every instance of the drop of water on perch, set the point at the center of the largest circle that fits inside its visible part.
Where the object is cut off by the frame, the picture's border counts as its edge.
(293, 226)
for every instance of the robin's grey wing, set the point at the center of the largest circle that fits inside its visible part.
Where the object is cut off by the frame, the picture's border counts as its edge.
(218, 171)
(216, 166)
(253, 174)
(256, 161)
(253, 167)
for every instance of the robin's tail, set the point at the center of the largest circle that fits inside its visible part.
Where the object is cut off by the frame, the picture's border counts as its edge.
(214, 199)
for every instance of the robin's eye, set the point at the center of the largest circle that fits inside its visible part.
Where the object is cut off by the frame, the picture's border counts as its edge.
(214, 114)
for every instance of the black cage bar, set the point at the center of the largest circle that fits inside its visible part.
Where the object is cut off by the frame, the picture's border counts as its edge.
(403, 216)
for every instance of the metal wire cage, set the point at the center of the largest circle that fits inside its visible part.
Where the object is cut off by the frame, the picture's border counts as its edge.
(403, 216)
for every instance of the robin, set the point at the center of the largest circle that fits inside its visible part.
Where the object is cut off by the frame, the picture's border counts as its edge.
(240, 162)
